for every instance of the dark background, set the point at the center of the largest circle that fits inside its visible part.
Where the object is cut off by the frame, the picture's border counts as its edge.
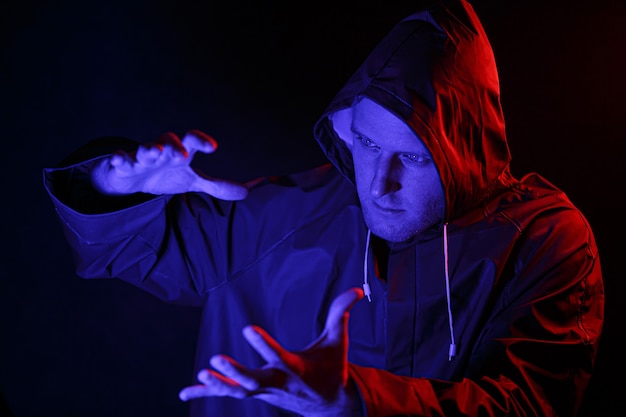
(255, 75)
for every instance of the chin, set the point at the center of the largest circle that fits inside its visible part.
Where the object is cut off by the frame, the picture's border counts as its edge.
(401, 227)
(395, 237)
(395, 230)
(390, 233)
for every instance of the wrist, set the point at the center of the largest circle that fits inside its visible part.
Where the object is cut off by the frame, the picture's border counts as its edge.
(348, 404)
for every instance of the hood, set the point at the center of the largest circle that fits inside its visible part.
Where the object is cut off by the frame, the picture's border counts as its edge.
(436, 71)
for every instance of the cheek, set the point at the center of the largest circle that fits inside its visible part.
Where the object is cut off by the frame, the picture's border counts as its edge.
(362, 172)
(362, 184)
(426, 189)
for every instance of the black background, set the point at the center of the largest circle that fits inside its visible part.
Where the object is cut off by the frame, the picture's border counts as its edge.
(255, 75)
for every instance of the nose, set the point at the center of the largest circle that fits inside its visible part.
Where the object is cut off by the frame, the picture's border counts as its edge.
(385, 180)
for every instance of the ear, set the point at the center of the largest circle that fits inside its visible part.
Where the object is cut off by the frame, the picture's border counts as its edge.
(342, 120)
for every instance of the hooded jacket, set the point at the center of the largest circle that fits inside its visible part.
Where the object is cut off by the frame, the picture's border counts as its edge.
(511, 277)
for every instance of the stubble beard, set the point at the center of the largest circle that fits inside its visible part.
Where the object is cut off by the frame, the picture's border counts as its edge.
(400, 227)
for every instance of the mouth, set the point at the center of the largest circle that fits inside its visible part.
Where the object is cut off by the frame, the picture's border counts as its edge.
(386, 210)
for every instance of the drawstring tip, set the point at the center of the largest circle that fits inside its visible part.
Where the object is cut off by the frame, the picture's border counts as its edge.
(367, 291)
(451, 352)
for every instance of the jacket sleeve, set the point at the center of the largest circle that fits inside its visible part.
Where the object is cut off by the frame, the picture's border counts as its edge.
(135, 238)
(537, 349)
(387, 394)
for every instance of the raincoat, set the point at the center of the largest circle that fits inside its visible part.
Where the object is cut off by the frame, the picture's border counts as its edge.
(511, 277)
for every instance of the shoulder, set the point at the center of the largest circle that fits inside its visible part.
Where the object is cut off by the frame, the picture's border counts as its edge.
(544, 214)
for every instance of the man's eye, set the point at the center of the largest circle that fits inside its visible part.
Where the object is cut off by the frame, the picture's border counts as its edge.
(420, 159)
(366, 142)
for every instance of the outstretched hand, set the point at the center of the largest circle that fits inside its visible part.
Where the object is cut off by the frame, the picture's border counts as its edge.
(312, 382)
(163, 168)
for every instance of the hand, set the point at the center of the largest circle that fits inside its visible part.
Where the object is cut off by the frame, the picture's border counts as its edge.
(312, 382)
(163, 168)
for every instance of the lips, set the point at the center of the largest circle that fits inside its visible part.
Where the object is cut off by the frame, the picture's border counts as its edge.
(386, 209)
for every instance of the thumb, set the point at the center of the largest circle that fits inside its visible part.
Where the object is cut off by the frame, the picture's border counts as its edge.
(339, 312)
(220, 188)
(197, 140)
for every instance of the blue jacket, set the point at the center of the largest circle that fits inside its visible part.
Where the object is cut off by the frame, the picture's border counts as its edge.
(525, 301)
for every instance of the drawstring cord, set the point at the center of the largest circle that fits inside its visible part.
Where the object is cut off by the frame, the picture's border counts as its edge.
(452, 349)
(366, 286)
(368, 291)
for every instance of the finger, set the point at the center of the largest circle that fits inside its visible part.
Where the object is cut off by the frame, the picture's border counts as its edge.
(339, 312)
(148, 154)
(172, 153)
(121, 161)
(235, 371)
(197, 140)
(194, 391)
(213, 385)
(169, 139)
(264, 344)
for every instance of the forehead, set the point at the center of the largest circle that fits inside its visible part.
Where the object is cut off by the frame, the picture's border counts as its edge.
(376, 123)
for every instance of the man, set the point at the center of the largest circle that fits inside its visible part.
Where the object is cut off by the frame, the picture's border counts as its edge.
(484, 292)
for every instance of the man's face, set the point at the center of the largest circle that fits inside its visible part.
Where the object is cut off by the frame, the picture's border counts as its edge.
(397, 181)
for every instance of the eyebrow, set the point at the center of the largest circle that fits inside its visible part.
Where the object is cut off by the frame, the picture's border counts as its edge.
(354, 130)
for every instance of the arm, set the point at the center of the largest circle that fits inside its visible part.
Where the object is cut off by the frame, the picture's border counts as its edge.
(128, 234)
